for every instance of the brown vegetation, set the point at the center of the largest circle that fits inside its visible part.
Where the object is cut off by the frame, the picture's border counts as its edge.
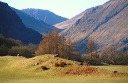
(55, 44)
(81, 70)
(61, 64)
(42, 68)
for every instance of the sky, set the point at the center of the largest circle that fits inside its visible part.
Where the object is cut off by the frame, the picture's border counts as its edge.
(65, 8)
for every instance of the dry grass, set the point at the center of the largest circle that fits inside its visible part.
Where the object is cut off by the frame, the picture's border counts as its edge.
(81, 70)
(13, 69)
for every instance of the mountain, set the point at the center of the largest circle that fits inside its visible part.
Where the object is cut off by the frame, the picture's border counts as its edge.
(70, 22)
(44, 15)
(33, 23)
(11, 26)
(106, 25)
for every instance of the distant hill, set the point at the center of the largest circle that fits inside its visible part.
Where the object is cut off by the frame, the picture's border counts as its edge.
(11, 26)
(106, 24)
(33, 23)
(44, 15)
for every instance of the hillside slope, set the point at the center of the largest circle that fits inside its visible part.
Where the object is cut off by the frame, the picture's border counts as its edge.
(44, 15)
(107, 25)
(33, 23)
(69, 23)
(11, 26)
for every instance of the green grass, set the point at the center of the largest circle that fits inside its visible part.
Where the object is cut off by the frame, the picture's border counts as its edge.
(66, 80)
(21, 70)
(119, 68)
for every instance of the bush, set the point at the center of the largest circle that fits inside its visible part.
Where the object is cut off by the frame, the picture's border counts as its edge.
(7, 43)
(122, 59)
(44, 68)
(61, 64)
(94, 59)
(21, 50)
(3, 49)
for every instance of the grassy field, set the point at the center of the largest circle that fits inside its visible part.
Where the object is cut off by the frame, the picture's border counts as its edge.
(21, 70)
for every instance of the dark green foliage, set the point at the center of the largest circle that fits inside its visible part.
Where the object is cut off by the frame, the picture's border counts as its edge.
(3, 49)
(21, 50)
(14, 47)
(7, 43)
(115, 59)
(122, 59)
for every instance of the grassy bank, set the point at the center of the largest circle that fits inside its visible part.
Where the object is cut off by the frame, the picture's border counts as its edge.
(22, 70)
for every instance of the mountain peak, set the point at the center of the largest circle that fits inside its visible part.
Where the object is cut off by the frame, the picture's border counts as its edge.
(44, 15)
(33, 23)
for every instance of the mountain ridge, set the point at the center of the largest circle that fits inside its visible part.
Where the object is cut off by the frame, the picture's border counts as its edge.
(44, 15)
(33, 23)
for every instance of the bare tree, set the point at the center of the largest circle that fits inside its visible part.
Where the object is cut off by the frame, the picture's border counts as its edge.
(91, 47)
(52, 43)
(94, 57)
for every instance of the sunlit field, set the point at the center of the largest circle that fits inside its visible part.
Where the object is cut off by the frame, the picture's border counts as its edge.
(21, 70)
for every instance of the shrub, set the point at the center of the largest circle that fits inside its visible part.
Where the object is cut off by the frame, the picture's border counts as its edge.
(44, 68)
(3, 49)
(7, 43)
(21, 50)
(56, 65)
(122, 59)
(94, 59)
(84, 63)
(61, 64)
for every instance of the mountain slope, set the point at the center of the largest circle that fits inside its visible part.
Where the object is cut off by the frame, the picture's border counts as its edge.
(44, 15)
(12, 26)
(68, 23)
(31, 22)
(107, 25)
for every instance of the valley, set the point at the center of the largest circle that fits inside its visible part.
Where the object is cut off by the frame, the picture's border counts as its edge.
(40, 46)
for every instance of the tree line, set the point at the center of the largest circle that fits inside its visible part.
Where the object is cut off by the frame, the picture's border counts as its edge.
(53, 43)
(110, 56)
(9, 46)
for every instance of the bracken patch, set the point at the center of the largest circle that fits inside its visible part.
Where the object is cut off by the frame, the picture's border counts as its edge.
(81, 70)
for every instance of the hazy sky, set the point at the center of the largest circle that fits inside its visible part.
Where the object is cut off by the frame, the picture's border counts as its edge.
(65, 8)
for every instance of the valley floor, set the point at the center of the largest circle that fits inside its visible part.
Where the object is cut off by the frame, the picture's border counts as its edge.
(20, 70)
(79, 79)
